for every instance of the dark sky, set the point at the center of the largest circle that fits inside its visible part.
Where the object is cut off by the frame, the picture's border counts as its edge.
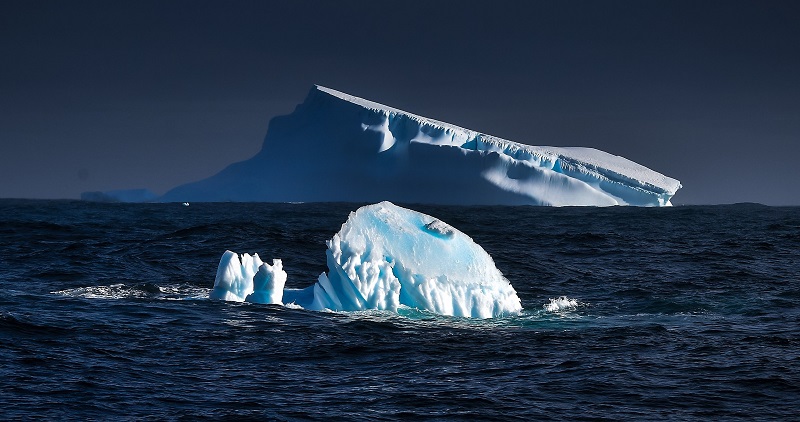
(108, 95)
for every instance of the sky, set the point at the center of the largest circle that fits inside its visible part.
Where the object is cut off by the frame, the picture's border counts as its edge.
(99, 95)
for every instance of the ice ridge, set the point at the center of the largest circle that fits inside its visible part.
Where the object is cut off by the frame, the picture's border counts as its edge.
(586, 164)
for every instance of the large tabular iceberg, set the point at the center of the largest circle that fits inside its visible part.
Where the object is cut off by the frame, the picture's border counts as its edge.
(384, 257)
(337, 147)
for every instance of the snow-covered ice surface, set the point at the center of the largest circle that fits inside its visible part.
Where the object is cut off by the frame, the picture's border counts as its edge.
(384, 257)
(337, 147)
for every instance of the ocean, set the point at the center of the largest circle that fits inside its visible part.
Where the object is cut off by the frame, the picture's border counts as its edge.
(682, 313)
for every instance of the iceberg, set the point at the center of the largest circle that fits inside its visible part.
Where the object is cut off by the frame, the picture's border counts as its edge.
(120, 195)
(247, 278)
(338, 147)
(385, 257)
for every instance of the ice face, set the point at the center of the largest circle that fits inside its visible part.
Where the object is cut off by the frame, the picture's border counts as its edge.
(385, 257)
(268, 284)
(246, 277)
(337, 147)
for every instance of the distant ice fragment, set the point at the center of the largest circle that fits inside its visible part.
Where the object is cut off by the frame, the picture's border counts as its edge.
(384, 257)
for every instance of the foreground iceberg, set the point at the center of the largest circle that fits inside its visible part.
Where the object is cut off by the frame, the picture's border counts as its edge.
(384, 257)
(337, 147)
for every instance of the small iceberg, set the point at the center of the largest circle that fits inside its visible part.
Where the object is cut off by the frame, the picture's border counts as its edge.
(383, 258)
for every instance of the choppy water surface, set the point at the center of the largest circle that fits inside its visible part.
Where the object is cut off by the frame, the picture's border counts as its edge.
(680, 313)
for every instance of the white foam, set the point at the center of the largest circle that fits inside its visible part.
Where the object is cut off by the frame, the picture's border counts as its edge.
(561, 304)
(136, 291)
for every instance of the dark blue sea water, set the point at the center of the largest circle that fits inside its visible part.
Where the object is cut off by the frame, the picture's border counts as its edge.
(681, 313)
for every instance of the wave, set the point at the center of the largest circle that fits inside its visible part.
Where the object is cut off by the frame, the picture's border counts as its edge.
(137, 291)
(561, 304)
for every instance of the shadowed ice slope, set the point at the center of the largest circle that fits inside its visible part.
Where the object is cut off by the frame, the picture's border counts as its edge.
(336, 147)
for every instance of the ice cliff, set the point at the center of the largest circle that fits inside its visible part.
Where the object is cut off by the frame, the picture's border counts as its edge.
(337, 147)
(384, 257)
